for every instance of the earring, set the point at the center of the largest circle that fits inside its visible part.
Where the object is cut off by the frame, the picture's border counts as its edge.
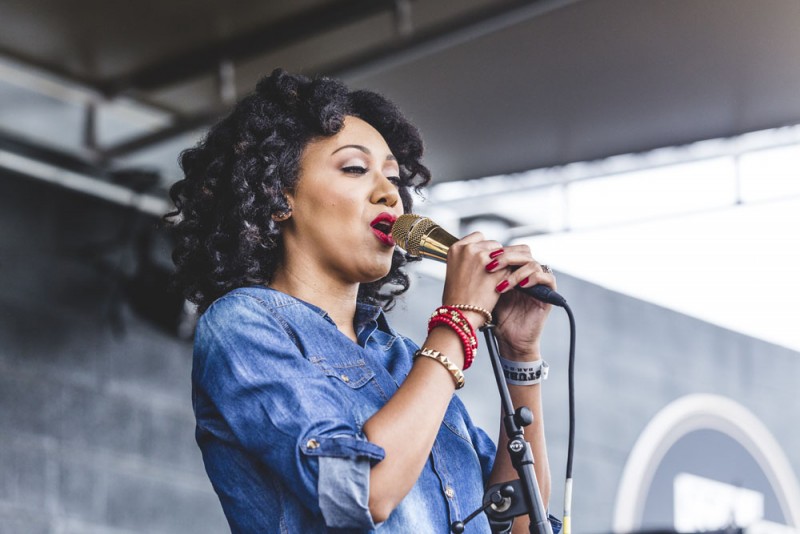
(282, 215)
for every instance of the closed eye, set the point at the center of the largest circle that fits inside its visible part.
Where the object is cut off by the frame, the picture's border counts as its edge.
(354, 169)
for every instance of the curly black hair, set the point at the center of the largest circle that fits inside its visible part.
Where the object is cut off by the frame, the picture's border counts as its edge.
(235, 178)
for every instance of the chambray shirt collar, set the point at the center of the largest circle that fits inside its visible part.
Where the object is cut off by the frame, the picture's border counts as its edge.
(368, 317)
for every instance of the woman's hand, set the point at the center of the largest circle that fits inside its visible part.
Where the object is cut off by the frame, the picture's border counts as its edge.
(468, 279)
(519, 317)
(483, 273)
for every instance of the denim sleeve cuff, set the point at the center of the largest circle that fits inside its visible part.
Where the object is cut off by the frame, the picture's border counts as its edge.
(343, 484)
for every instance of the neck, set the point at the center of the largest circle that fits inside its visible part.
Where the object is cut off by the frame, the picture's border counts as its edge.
(337, 298)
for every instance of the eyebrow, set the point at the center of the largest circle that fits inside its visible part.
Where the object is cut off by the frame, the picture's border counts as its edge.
(363, 149)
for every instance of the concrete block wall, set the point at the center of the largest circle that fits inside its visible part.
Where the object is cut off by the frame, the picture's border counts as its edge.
(96, 427)
(634, 359)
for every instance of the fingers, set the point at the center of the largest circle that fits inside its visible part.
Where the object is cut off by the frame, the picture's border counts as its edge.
(474, 237)
(529, 276)
(474, 245)
(515, 255)
(522, 270)
(508, 267)
(477, 238)
(468, 281)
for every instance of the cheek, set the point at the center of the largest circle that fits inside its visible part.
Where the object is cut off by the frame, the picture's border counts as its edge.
(339, 205)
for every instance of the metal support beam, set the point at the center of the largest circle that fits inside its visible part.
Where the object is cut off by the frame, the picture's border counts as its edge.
(470, 26)
(403, 19)
(293, 29)
(493, 18)
(21, 157)
(60, 85)
(226, 82)
(90, 127)
(27, 148)
(179, 127)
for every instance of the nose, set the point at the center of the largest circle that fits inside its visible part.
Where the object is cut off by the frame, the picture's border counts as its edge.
(385, 192)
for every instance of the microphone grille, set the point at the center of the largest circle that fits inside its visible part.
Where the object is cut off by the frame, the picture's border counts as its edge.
(408, 231)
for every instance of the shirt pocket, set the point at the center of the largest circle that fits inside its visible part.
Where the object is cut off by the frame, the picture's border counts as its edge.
(356, 384)
(353, 374)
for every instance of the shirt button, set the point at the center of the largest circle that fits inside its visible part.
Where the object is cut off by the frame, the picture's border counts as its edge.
(312, 444)
(449, 492)
(345, 378)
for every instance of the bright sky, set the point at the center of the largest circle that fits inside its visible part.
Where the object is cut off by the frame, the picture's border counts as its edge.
(737, 267)
(711, 230)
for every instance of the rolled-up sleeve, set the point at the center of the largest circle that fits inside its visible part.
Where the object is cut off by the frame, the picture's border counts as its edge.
(344, 484)
(263, 396)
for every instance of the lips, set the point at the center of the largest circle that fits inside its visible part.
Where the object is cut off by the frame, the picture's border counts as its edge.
(382, 228)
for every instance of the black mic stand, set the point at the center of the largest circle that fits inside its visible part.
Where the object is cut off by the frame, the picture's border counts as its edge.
(503, 502)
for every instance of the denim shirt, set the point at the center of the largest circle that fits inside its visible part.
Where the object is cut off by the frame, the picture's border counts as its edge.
(281, 397)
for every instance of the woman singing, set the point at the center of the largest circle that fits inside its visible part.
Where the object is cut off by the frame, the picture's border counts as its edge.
(313, 414)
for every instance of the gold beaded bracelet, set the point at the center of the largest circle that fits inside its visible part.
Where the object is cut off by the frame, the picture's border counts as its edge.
(487, 315)
(458, 376)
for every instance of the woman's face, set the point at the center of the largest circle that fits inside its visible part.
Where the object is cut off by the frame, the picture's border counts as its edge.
(344, 205)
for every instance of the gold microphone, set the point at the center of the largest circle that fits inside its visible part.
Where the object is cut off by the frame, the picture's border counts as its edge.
(420, 236)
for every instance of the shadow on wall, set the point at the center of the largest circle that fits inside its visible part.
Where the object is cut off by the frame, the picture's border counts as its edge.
(95, 403)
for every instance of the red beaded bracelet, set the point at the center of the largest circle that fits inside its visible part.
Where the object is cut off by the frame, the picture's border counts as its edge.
(459, 318)
(455, 315)
(453, 318)
(466, 342)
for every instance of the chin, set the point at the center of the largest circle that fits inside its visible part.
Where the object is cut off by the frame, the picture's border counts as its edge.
(376, 274)
(378, 277)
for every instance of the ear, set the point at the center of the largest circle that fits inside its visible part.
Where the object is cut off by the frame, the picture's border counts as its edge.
(281, 216)
(289, 197)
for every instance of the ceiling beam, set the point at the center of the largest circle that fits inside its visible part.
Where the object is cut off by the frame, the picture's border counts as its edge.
(492, 18)
(451, 33)
(44, 79)
(24, 147)
(276, 35)
(53, 73)
(22, 157)
(179, 127)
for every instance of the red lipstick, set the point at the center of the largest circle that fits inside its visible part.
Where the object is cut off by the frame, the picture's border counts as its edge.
(382, 228)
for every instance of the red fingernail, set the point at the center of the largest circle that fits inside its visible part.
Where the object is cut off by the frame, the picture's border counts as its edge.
(492, 265)
(496, 253)
(501, 286)
(525, 281)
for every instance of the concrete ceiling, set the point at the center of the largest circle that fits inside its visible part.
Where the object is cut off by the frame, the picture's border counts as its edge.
(602, 77)
(495, 86)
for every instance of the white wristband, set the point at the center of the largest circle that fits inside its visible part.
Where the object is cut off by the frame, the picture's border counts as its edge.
(524, 373)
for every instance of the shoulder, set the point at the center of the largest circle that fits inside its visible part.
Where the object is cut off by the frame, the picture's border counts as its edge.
(246, 312)
(251, 297)
(248, 303)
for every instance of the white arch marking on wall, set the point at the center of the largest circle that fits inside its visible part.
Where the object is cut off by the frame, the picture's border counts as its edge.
(698, 412)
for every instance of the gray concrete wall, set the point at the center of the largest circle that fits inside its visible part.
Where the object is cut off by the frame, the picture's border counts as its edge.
(635, 358)
(97, 433)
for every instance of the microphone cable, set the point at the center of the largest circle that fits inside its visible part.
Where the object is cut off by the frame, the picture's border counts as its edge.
(566, 527)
